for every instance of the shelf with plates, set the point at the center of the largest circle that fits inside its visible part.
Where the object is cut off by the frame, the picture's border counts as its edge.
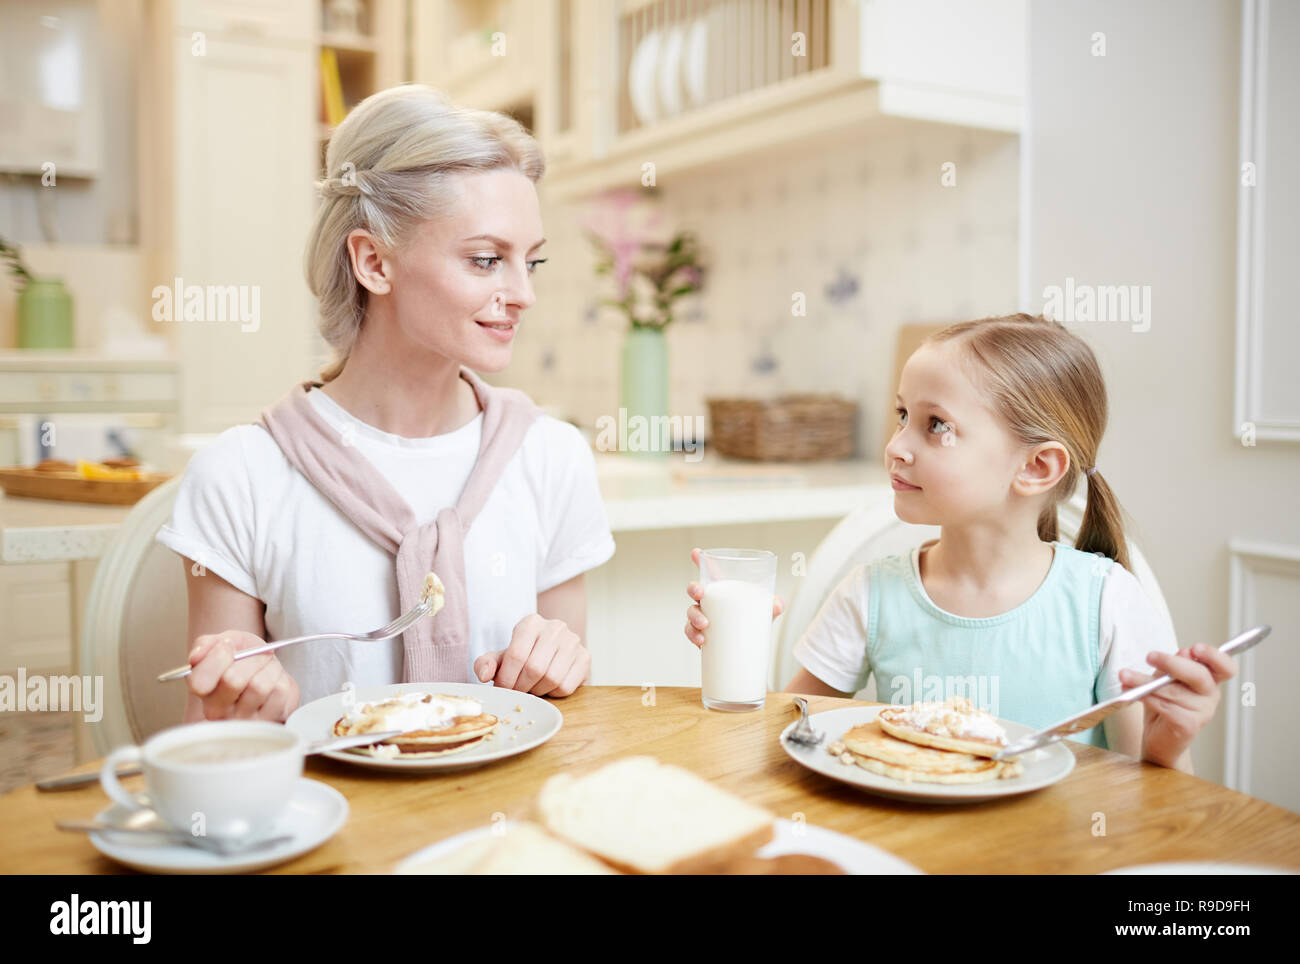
(695, 83)
(609, 86)
(707, 82)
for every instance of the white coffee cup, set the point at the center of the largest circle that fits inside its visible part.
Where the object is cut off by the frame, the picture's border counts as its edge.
(222, 778)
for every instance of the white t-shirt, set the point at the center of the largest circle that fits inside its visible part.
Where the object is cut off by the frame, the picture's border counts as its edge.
(834, 647)
(252, 518)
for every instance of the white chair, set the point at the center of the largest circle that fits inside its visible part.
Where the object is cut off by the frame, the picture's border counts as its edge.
(136, 626)
(874, 531)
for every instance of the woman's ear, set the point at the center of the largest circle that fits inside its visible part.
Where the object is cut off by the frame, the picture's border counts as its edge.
(369, 264)
(1044, 466)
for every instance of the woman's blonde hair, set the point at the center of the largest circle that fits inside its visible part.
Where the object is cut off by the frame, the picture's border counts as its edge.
(387, 169)
(1045, 383)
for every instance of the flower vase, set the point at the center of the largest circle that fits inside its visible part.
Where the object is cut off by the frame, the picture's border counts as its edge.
(645, 390)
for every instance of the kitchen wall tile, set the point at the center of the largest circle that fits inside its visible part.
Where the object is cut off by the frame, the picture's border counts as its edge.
(865, 230)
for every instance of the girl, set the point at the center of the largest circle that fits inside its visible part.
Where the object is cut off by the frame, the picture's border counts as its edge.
(998, 421)
(421, 258)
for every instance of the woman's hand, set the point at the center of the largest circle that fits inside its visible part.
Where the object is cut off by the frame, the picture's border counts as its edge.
(545, 657)
(256, 688)
(1175, 713)
(696, 621)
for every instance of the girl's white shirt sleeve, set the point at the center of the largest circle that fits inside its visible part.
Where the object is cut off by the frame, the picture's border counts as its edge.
(575, 528)
(834, 646)
(1130, 626)
(212, 519)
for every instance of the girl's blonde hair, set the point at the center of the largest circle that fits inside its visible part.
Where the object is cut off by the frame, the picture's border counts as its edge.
(1045, 383)
(388, 166)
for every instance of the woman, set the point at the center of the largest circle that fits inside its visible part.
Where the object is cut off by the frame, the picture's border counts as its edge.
(326, 515)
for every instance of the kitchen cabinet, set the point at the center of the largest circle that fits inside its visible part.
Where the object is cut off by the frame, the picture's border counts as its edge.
(232, 144)
(610, 86)
(243, 119)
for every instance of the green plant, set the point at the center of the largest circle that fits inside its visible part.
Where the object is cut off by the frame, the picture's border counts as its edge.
(665, 272)
(9, 254)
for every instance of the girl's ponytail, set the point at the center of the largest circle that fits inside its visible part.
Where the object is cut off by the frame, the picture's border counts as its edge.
(1102, 529)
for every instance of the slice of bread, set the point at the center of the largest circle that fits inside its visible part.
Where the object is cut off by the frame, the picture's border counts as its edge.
(647, 817)
(524, 848)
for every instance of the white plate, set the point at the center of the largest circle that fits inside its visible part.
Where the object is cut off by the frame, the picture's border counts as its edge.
(670, 71)
(533, 724)
(1043, 766)
(314, 814)
(1199, 867)
(642, 88)
(855, 856)
(695, 64)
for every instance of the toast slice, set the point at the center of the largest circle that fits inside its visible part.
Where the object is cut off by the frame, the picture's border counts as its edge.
(646, 817)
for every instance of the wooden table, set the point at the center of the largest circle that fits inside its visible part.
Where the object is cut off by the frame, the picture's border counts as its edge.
(1151, 813)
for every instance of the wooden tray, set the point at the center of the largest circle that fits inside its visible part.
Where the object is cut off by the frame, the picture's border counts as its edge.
(29, 483)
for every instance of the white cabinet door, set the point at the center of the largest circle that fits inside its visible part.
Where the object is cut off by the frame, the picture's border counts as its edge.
(249, 20)
(243, 202)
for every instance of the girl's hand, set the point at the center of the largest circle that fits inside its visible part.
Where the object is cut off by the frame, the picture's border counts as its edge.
(1176, 713)
(545, 657)
(696, 621)
(256, 688)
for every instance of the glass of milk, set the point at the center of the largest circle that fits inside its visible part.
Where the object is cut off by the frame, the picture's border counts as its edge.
(738, 589)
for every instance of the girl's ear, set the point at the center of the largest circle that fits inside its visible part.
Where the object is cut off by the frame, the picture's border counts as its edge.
(368, 262)
(1044, 466)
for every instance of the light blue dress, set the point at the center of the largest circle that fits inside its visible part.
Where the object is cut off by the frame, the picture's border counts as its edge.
(1036, 664)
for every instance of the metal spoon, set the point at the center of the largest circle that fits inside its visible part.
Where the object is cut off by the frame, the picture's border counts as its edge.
(148, 823)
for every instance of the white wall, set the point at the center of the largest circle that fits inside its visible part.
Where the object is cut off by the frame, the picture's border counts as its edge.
(1131, 178)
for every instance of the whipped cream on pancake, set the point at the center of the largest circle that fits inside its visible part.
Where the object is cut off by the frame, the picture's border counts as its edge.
(957, 718)
(412, 711)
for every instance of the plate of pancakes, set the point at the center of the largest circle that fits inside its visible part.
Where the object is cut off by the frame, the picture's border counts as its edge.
(927, 752)
(444, 726)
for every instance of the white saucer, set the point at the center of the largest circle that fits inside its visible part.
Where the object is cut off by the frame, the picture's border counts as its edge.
(855, 856)
(535, 722)
(314, 814)
(1042, 767)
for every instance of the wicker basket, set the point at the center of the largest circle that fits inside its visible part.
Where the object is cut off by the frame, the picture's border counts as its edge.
(794, 428)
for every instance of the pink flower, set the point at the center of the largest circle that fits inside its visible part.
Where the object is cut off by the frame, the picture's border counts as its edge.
(625, 230)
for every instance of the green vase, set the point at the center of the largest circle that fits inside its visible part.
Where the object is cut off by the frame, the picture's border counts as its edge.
(645, 390)
(45, 315)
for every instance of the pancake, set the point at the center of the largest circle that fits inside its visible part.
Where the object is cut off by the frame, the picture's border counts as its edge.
(992, 770)
(953, 725)
(432, 724)
(869, 740)
(875, 750)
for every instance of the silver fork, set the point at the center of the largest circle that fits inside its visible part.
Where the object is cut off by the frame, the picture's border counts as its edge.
(803, 733)
(398, 625)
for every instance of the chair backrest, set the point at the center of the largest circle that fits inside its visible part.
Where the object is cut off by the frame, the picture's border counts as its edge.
(136, 626)
(874, 531)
